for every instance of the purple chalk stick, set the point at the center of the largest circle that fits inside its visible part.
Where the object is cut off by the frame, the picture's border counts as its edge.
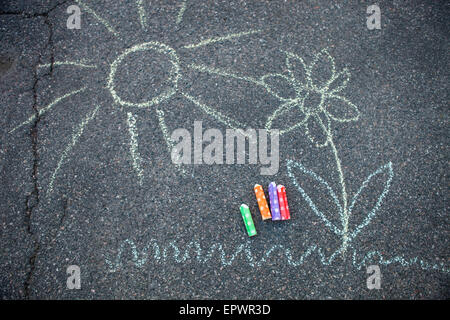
(274, 205)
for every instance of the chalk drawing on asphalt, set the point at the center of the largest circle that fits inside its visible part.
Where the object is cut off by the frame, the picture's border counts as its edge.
(332, 107)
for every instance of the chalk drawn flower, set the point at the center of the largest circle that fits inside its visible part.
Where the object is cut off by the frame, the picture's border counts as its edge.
(310, 96)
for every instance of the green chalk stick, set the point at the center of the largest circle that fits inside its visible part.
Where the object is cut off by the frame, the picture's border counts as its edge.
(247, 216)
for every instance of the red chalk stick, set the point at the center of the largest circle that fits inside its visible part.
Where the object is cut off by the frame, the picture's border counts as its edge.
(282, 199)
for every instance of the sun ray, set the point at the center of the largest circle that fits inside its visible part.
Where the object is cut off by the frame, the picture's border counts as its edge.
(71, 63)
(103, 21)
(75, 137)
(167, 138)
(219, 39)
(216, 114)
(48, 107)
(225, 73)
(181, 12)
(134, 147)
(142, 16)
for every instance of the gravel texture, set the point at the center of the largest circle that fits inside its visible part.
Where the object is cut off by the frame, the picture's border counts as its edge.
(98, 207)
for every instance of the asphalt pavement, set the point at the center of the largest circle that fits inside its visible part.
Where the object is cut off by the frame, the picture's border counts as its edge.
(88, 180)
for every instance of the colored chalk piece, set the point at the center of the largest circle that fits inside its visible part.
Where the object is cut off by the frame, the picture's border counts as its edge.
(262, 202)
(274, 204)
(249, 225)
(282, 199)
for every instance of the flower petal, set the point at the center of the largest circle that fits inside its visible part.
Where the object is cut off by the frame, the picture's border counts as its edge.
(297, 69)
(318, 129)
(340, 109)
(322, 69)
(339, 81)
(286, 118)
(279, 85)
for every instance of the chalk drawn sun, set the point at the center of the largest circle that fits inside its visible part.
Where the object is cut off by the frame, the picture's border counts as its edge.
(169, 88)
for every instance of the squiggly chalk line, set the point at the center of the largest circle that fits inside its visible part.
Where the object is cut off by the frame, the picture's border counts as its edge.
(193, 252)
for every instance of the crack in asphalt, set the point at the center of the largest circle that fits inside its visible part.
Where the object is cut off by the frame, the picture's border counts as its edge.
(32, 200)
(33, 14)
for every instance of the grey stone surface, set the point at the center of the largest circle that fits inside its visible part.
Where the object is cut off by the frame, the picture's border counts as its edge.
(399, 82)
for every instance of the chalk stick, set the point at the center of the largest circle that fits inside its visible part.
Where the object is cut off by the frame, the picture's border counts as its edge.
(249, 225)
(274, 204)
(282, 199)
(262, 202)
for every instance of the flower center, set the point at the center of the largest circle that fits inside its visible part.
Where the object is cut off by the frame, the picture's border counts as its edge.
(313, 102)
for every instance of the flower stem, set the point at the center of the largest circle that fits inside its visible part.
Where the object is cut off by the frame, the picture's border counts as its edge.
(344, 214)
